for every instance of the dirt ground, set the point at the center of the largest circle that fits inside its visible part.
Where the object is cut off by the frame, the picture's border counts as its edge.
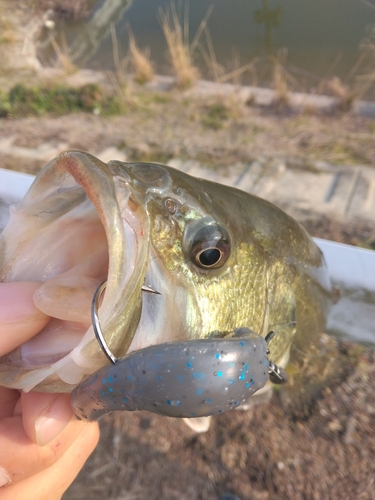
(216, 131)
(316, 438)
(269, 452)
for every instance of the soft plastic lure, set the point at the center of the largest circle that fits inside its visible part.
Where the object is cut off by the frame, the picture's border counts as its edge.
(193, 378)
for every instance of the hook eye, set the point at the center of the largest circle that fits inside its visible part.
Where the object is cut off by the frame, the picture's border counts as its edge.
(276, 374)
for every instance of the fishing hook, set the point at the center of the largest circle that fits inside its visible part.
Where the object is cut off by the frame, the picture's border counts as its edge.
(96, 301)
(276, 374)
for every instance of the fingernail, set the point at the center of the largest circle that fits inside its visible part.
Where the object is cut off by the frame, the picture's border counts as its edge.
(53, 420)
(4, 477)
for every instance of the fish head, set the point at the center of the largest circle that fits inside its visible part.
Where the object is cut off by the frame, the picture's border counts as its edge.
(190, 254)
(219, 259)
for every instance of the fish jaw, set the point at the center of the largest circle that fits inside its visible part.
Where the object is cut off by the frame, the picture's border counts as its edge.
(74, 205)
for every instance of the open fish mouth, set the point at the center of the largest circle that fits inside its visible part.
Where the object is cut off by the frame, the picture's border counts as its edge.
(78, 225)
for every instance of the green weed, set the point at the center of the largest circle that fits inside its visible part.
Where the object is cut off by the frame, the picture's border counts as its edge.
(215, 116)
(23, 101)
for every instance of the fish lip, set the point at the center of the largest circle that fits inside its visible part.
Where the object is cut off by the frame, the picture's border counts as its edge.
(121, 304)
(66, 184)
(121, 210)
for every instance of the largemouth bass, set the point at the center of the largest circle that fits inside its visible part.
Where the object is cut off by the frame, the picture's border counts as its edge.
(219, 258)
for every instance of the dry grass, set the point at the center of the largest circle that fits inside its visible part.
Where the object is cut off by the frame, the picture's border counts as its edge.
(359, 80)
(336, 87)
(63, 57)
(7, 36)
(209, 55)
(119, 78)
(142, 66)
(281, 79)
(181, 53)
(176, 32)
(218, 71)
(364, 70)
(7, 31)
(234, 76)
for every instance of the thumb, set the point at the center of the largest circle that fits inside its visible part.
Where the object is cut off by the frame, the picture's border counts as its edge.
(20, 319)
(45, 416)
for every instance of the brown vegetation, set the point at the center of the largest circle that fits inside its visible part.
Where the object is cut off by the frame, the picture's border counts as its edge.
(142, 66)
(180, 50)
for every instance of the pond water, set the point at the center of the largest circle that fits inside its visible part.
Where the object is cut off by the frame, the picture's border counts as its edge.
(320, 38)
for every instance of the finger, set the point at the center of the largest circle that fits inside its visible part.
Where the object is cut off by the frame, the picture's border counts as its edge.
(9, 398)
(21, 458)
(45, 415)
(51, 483)
(20, 319)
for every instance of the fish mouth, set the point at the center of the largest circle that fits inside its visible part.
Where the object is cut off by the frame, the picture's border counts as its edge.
(80, 224)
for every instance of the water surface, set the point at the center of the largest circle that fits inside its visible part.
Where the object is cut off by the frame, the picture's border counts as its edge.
(319, 38)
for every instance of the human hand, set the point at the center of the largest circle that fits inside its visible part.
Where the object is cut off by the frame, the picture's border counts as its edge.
(42, 445)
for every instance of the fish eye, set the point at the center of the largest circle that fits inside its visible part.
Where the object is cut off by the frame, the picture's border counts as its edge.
(210, 247)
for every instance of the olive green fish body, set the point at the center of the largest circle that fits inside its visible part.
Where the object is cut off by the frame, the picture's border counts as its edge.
(220, 258)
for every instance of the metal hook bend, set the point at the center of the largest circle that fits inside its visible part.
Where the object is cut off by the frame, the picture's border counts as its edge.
(96, 322)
